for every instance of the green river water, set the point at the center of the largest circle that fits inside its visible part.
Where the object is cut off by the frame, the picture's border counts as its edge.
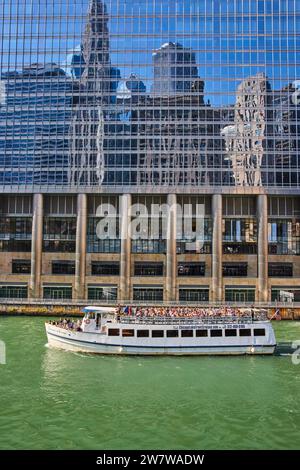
(51, 399)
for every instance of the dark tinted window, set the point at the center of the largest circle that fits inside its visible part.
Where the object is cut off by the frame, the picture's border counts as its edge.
(127, 332)
(63, 267)
(235, 269)
(105, 268)
(142, 333)
(201, 333)
(280, 269)
(215, 333)
(113, 332)
(157, 333)
(172, 333)
(259, 332)
(191, 269)
(21, 267)
(187, 333)
(245, 332)
(230, 332)
(148, 269)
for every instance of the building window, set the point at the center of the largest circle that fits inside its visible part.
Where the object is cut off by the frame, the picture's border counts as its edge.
(105, 268)
(148, 269)
(191, 269)
(103, 245)
(240, 294)
(285, 294)
(235, 269)
(15, 234)
(59, 234)
(240, 236)
(63, 267)
(186, 247)
(107, 293)
(280, 270)
(58, 292)
(145, 294)
(284, 237)
(148, 246)
(194, 294)
(11, 291)
(21, 266)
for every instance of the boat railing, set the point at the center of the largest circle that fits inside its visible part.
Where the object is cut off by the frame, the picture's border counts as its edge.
(163, 320)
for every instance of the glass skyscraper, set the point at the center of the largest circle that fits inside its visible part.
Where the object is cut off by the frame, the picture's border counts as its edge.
(156, 101)
(218, 86)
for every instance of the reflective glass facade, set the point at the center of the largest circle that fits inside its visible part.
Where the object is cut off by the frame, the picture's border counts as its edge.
(98, 94)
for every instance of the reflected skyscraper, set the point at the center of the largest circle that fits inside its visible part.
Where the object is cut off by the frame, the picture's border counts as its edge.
(174, 69)
(87, 130)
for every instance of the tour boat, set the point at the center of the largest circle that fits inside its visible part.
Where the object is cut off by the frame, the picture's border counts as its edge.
(104, 330)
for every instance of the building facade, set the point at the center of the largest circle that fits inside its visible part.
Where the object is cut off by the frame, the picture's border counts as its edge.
(149, 150)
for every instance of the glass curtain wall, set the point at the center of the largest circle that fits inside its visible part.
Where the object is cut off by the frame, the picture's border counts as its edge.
(139, 93)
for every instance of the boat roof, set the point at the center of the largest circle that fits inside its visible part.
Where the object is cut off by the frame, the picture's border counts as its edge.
(91, 308)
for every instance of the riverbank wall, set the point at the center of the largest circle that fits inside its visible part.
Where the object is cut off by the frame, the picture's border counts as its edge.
(74, 309)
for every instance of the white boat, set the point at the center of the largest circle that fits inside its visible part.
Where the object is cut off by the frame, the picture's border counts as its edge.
(104, 331)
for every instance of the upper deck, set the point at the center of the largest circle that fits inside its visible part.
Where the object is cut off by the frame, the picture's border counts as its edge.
(205, 320)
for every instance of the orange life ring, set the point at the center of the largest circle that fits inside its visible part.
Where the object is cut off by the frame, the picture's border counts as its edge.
(87, 321)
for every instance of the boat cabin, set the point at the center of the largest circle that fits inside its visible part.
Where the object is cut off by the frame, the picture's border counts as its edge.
(95, 317)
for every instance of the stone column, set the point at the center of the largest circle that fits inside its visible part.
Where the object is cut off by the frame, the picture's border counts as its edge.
(80, 259)
(217, 249)
(125, 255)
(262, 247)
(36, 247)
(171, 259)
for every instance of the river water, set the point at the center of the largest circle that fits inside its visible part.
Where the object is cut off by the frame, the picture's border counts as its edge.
(51, 399)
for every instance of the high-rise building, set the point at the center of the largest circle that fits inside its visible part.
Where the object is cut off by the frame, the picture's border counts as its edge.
(112, 111)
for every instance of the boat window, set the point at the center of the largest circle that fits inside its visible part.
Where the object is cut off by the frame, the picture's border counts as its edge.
(113, 332)
(172, 333)
(215, 333)
(142, 333)
(259, 332)
(127, 332)
(157, 333)
(230, 333)
(201, 333)
(245, 332)
(187, 333)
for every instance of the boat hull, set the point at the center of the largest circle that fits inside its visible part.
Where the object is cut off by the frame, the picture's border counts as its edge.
(80, 342)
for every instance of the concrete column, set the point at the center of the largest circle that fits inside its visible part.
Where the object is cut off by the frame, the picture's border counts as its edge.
(125, 255)
(80, 259)
(217, 249)
(171, 260)
(36, 247)
(262, 247)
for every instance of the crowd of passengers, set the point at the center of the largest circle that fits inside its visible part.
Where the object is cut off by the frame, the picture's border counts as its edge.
(67, 323)
(189, 312)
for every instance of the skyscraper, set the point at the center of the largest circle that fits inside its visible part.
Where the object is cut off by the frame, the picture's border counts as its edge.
(106, 105)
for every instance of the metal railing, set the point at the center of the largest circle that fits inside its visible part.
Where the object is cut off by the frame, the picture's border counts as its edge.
(206, 320)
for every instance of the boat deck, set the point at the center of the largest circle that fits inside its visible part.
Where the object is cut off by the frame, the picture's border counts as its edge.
(206, 320)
